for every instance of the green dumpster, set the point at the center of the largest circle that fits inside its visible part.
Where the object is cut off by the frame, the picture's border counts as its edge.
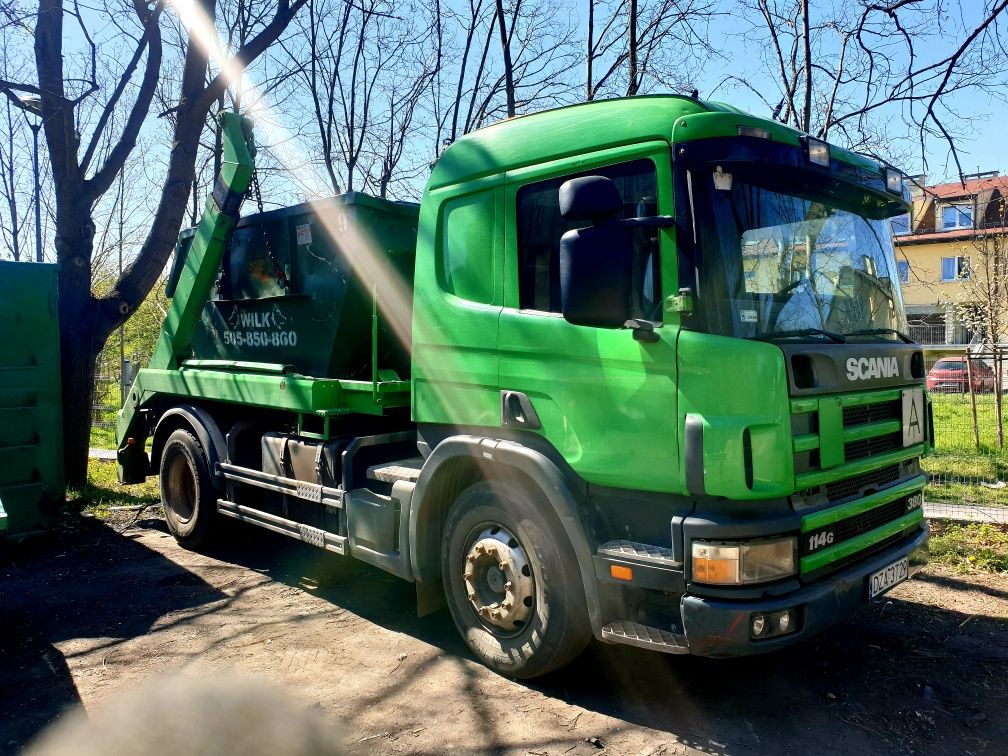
(31, 440)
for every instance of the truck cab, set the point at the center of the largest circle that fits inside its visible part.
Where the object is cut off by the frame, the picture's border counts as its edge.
(659, 392)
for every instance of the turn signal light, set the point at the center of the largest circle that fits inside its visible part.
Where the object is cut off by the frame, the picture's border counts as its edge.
(620, 572)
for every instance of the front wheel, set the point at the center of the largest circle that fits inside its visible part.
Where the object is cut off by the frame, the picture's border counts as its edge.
(512, 581)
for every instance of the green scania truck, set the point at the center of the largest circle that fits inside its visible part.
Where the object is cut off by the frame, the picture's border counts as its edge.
(633, 369)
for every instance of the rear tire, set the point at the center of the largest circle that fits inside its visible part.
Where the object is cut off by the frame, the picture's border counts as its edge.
(187, 491)
(512, 581)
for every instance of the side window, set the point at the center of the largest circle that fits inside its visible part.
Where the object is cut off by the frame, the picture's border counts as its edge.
(467, 254)
(540, 226)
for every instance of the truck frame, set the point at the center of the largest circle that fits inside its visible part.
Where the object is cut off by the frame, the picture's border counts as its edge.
(632, 369)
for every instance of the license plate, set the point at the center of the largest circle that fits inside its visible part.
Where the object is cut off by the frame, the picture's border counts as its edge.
(895, 573)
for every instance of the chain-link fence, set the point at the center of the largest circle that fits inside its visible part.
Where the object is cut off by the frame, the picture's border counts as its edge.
(112, 380)
(970, 465)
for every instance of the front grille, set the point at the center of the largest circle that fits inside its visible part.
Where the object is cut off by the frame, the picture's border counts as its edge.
(852, 527)
(851, 488)
(873, 518)
(847, 561)
(872, 413)
(869, 447)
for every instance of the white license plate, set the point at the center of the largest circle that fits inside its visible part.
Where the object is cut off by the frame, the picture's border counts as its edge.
(895, 573)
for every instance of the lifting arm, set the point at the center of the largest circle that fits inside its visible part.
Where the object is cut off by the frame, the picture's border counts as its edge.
(190, 286)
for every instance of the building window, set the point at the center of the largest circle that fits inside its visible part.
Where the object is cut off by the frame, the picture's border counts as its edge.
(540, 227)
(903, 269)
(954, 269)
(900, 224)
(957, 216)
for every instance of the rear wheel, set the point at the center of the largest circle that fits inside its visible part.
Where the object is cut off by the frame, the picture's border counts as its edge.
(187, 491)
(512, 581)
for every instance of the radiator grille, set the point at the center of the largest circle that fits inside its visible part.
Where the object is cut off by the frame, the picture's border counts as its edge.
(851, 488)
(869, 447)
(872, 413)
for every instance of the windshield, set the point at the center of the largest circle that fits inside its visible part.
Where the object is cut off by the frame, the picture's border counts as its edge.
(771, 264)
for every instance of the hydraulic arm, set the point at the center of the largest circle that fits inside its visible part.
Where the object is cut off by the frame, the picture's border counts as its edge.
(192, 276)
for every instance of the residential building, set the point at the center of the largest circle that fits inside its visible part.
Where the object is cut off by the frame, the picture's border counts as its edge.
(934, 243)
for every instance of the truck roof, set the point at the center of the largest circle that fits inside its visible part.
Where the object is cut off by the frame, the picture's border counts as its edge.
(601, 124)
(560, 132)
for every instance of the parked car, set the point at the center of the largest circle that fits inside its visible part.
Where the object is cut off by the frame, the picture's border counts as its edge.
(949, 374)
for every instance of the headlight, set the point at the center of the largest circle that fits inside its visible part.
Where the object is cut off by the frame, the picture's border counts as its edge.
(742, 563)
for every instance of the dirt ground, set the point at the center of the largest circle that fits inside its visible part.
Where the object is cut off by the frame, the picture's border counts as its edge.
(91, 613)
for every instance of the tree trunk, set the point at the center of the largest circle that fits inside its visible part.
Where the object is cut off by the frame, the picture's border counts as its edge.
(632, 50)
(11, 196)
(999, 395)
(78, 363)
(589, 58)
(806, 121)
(80, 337)
(972, 393)
(506, 55)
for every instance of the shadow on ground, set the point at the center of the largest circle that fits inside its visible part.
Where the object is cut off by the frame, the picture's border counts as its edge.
(86, 583)
(900, 677)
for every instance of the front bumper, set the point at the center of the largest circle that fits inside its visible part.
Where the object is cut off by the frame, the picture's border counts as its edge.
(720, 627)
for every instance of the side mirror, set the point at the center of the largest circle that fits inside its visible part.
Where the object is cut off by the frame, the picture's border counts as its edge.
(596, 270)
(593, 198)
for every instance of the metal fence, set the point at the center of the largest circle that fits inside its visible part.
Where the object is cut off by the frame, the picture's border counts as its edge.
(939, 334)
(969, 470)
(112, 381)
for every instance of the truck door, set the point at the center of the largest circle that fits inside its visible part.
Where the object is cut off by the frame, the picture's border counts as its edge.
(605, 400)
(457, 302)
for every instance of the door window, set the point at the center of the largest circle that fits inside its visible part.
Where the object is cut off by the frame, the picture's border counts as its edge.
(540, 226)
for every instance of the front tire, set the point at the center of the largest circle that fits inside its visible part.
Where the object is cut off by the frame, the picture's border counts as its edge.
(512, 582)
(187, 491)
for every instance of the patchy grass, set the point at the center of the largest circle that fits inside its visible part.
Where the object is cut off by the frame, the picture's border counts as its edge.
(970, 547)
(104, 491)
(102, 438)
(958, 466)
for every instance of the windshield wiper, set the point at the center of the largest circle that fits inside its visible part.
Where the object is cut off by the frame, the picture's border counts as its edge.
(878, 331)
(800, 332)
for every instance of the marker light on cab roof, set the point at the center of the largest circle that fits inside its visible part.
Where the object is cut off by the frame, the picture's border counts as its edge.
(894, 181)
(753, 131)
(818, 152)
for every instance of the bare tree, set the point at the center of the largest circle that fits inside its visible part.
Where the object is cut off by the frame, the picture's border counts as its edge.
(982, 302)
(16, 182)
(535, 73)
(85, 163)
(632, 45)
(851, 71)
(365, 71)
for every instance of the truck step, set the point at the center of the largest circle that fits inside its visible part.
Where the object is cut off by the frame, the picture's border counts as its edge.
(332, 497)
(644, 636)
(307, 533)
(639, 552)
(401, 469)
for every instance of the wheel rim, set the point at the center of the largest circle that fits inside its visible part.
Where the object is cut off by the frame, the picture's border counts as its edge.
(181, 487)
(498, 580)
